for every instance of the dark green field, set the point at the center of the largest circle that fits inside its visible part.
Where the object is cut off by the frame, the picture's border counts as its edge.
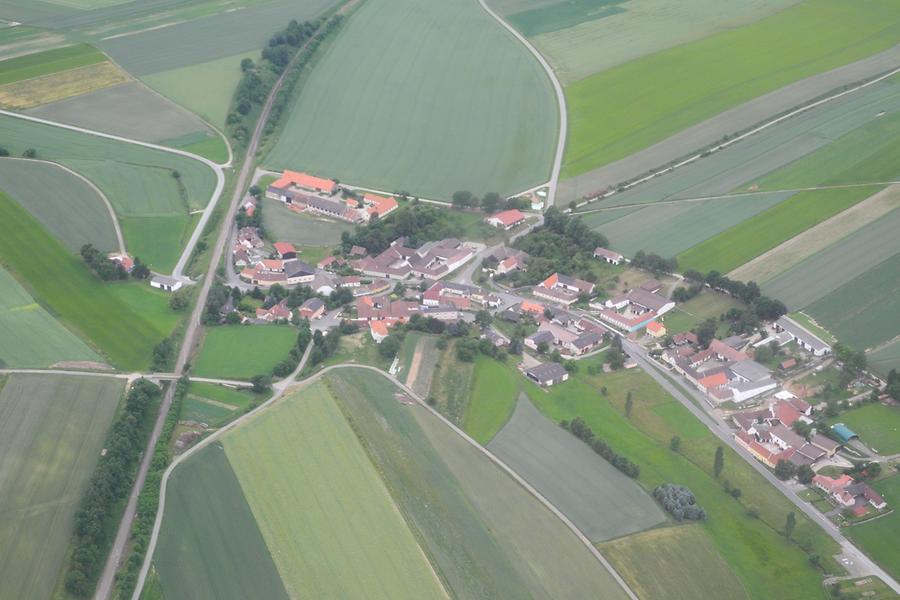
(51, 61)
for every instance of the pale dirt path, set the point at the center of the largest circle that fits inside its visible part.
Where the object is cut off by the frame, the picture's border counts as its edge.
(785, 255)
(415, 364)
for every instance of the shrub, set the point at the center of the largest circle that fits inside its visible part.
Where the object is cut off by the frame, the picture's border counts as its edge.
(679, 502)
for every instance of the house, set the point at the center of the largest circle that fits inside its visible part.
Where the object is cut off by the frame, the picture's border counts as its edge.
(333, 208)
(495, 337)
(633, 310)
(285, 250)
(788, 364)
(124, 260)
(539, 337)
(358, 252)
(331, 262)
(845, 492)
(547, 374)
(656, 329)
(249, 205)
(291, 182)
(613, 258)
(168, 284)
(313, 308)
(583, 344)
(375, 205)
(378, 330)
(651, 285)
(249, 238)
(503, 260)
(432, 260)
(277, 312)
(562, 289)
(506, 219)
(802, 336)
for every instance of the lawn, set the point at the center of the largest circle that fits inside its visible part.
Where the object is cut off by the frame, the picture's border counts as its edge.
(67, 206)
(29, 336)
(733, 247)
(480, 113)
(49, 61)
(209, 544)
(603, 502)
(492, 400)
(674, 563)
(213, 148)
(706, 305)
(485, 535)
(242, 351)
(878, 426)
(214, 404)
(878, 538)
(52, 429)
(158, 240)
(810, 324)
(328, 519)
(62, 283)
(285, 225)
(629, 107)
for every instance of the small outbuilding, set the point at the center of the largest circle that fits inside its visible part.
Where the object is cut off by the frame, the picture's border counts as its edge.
(168, 284)
(547, 374)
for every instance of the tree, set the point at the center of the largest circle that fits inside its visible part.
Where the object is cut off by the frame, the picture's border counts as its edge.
(178, 301)
(389, 346)
(246, 64)
(675, 443)
(615, 359)
(490, 202)
(483, 318)
(718, 461)
(463, 199)
(629, 403)
(789, 524)
(261, 383)
(4, 151)
(805, 474)
(140, 270)
(30, 153)
(706, 332)
(542, 347)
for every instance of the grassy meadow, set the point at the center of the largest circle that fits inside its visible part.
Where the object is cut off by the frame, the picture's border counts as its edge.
(878, 426)
(52, 429)
(242, 351)
(494, 393)
(215, 404)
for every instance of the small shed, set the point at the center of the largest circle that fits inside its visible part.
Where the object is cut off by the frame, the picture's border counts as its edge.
(168, 284)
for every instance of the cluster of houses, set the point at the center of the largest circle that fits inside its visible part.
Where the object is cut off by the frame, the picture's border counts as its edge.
(563, 289)
(431, 261)
(302, 192)
(849, 494)
(505, 260)
(787, 330)
(636, 309)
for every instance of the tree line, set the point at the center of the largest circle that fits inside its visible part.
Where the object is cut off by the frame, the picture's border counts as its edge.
(582, 431)
(110, 270)
(417, 222)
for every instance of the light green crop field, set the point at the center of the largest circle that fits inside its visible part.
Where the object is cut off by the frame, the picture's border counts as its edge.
(62, 283)
(52, 429)
(749, 545)
(67, 206)
(323, 510)
(484, 533)
(863, 312)
(602, 501)
(300, 228)
(158, 240)
(733, 247)
(878, 538)
(242, 351)
(886, 358)
(492, 400)
(210, 546)
(877, 425)
(674, 563)
(49, 61)
(214, 404)
(476, 110)
(629, 107)
(213, 148)
(29, 336)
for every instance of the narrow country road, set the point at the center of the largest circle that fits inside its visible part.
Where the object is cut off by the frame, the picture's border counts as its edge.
(125, 376)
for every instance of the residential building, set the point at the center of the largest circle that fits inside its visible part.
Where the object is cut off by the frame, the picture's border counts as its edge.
(167, 284)
(285, 250)
(504, 260)
(313, 308)
(277, 312)
(432, 260)
(547, 374)
(378, 330)
(845, 492)
(802, 336)
(656, 329)
(506, 219)
(613, 258)
(562, 289)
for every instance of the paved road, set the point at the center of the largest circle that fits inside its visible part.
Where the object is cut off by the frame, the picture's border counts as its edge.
(126, 376)
(178, 272)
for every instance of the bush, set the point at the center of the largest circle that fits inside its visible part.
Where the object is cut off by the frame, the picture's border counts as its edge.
(679, 502)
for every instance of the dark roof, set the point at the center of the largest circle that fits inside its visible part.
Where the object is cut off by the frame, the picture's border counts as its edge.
(294, 268)
(313, 304)
(547, 371)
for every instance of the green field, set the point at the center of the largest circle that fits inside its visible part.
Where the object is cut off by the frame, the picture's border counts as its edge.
(878, 538)
(52, 429)
(629, 107)
(62, 283)
(302, 229)
(158, 240)
(67, 206)
(210, 545)
(675, 563)
(213, 148)
(603, 502)
(878, 426)
(886, 358)
(485, 535)
(242, 351)
(49, 61)
(451, 386)
(733, 247)
(492, 400)
(472, 110)
(706, 305)
(29, 336)
(327, 518)
(562, 15)
(214, 404)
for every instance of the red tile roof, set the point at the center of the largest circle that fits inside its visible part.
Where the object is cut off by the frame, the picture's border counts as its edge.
(508, 217)
(304, 180)
(284, 247)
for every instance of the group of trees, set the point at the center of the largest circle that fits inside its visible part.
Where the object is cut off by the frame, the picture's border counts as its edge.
(679, 502)
(110, 483)
(418, 222)
(108, 269)
(892, 388)
(654, 263)
(582, 431)
(304, 337)
(242, 219)
(748, 292)
(491, 202)
(29, 153)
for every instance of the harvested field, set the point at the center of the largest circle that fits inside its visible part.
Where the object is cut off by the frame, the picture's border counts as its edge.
(766, 230)
(52, 429)
(825, 271)
(50, 61)
(877, 538)
(603, 502)
(815, 239)
(59, 86)
(492, 400)
(240, 351)
(328, 520)
(469, 516)
(210, 545)
(674, 563)
(301, 228)
(29, 336)
(619, 111)
(482, 115)
(65, 204)
(130, 110)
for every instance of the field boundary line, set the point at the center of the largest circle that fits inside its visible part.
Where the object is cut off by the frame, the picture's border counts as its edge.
(120, 239)
(177, 272)
(560, 100)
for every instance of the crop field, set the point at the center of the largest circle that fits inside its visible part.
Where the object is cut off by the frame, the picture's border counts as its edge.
(29, 336)
(213, 148)
(50, 61)
(242, 351)
(878, 538)
(754, 236)
(419, 361)
(481, 115)
(130, 110)
(582, 38)
(451, 385)
(59, 86)
(469, 516)
(301, 228)
(214, 404)
(62, 283)
(158, 240)
(673, 563)
(67, 206)
(877, 425)
(210, 545)
(629, 107)
(886, 358)
(52, 429)
(492, 400)
(328, 519)
(603, 502)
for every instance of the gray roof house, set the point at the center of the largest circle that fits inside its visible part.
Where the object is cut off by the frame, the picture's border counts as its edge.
(547, 374)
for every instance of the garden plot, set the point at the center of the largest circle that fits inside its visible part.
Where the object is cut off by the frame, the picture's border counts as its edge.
(52, 429)
(603, 502)
(481, 115)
